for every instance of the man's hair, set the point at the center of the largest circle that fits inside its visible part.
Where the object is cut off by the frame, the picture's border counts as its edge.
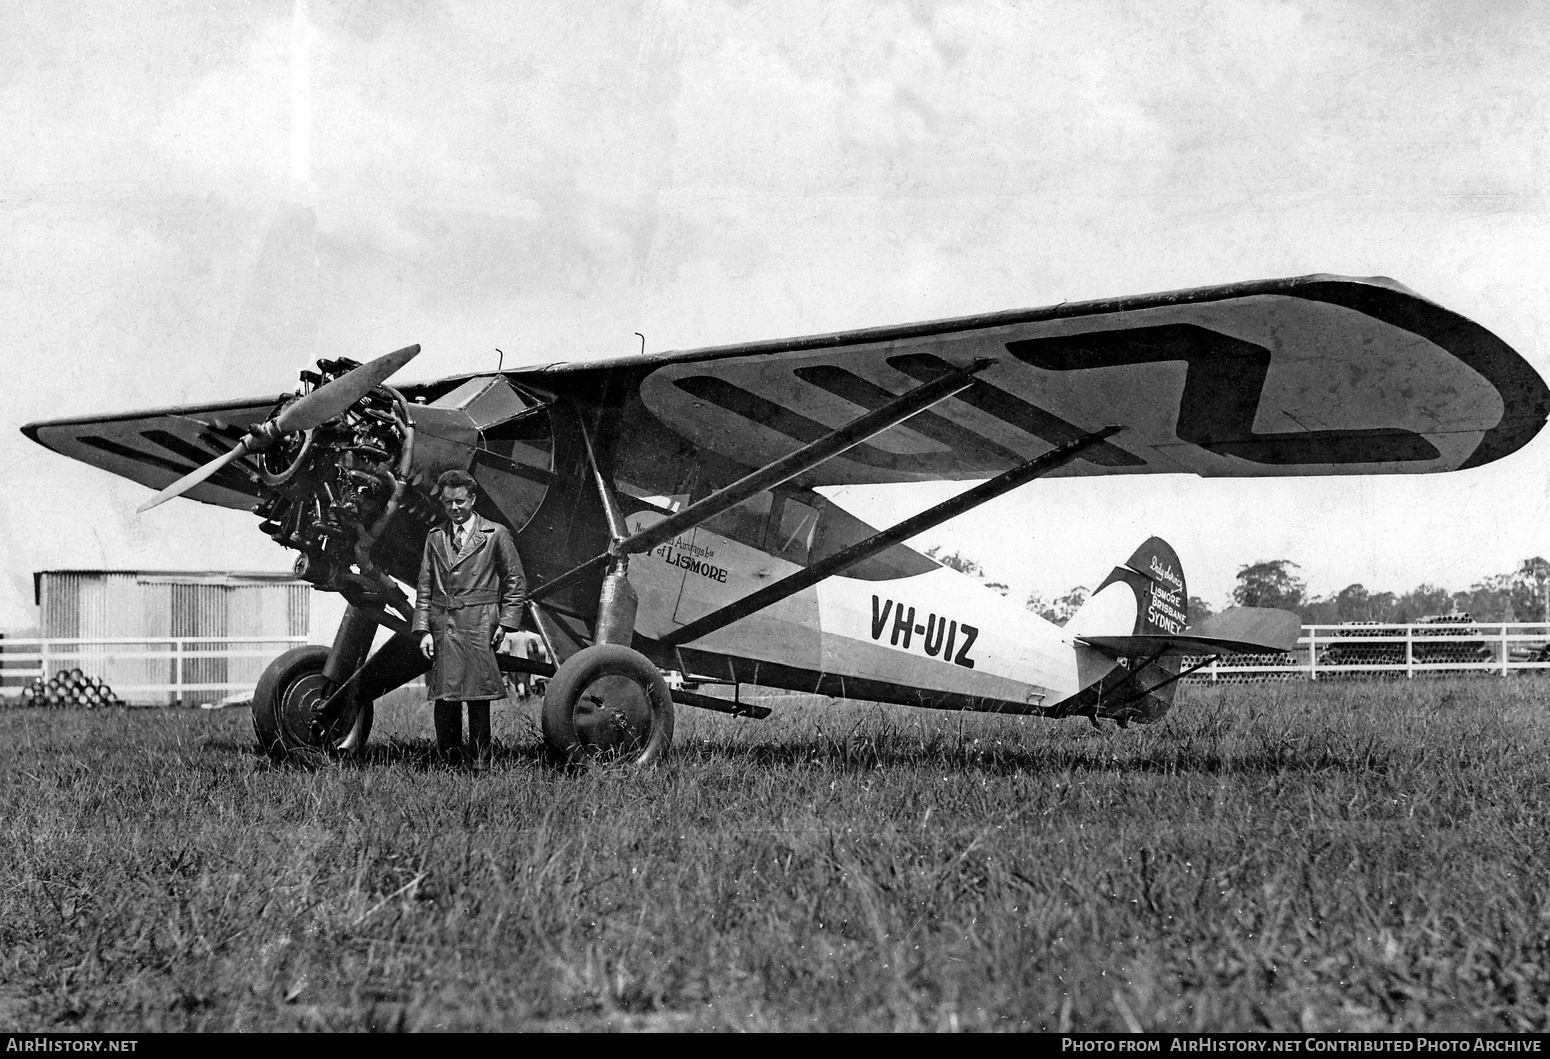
(454, 478)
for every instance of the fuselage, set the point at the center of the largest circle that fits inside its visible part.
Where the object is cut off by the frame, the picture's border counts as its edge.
(895, 627)
(936, 637)
(890, 625)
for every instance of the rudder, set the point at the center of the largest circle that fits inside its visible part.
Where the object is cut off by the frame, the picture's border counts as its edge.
(1146, 596)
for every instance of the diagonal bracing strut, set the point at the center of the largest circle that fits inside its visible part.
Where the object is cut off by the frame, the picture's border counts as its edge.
(861, 550)
(782, 470)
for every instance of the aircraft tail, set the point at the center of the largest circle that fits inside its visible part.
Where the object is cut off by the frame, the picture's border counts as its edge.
(1144, 597)
(1124, 633)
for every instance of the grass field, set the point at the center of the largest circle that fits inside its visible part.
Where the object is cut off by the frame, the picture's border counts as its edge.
(1286, 857)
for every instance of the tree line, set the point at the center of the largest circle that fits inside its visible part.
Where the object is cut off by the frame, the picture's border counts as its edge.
(1520, 595)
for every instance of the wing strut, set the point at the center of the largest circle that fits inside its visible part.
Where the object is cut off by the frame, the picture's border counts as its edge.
(847, 557)
(769, 476)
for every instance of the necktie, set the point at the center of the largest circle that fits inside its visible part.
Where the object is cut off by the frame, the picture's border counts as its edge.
(457, 541)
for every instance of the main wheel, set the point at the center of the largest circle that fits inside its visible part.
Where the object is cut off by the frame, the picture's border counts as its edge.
(608, 701)
(286, 699)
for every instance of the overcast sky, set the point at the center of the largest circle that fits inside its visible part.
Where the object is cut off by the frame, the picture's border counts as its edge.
(197, 199)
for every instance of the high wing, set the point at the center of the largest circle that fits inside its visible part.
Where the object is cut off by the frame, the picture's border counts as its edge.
(159, 446)
(1319, 375)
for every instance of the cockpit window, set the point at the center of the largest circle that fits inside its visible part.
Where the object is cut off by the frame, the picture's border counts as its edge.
(793, 529)
(745, 522)
(515, 462)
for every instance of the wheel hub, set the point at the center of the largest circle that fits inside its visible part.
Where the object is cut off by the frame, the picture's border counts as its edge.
(299, 706)
(613, 714)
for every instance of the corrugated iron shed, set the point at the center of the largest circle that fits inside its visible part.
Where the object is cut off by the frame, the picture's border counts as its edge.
(128, 604)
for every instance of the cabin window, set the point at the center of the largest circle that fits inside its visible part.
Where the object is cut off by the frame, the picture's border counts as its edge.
(792, 530)
(745, 522)
(838, 529)
(515, 464)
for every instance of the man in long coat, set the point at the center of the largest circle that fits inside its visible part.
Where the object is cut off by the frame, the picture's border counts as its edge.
(471, 594)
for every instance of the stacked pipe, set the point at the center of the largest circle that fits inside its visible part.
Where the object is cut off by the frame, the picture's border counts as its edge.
(1383, 653)
(1260, 658)
(1228, 662)
(1467, 648)
(1462, 650)
(69, 689)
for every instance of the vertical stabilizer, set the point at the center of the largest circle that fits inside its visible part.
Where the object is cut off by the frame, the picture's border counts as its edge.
(1145, 596)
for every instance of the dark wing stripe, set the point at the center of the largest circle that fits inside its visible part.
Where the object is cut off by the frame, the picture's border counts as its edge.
(125, 452)
(797, 427)
(230, 433)
(223, 478)
(200, 455)
(1013, 410)
(972, 450)
(1223, 380)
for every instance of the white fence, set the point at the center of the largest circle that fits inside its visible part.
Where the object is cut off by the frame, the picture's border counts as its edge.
(196, 669)
(1348, 651)
(146, 670)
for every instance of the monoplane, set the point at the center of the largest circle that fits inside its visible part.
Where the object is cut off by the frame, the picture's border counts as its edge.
(667, 511)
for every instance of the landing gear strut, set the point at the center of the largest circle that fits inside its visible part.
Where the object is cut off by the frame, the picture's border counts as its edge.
(609, 700)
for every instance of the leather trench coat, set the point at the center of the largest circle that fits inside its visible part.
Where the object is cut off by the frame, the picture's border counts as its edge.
(460, 599)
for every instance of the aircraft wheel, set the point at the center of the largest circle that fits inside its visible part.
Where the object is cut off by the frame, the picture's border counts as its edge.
(288, 694)
(608, 701)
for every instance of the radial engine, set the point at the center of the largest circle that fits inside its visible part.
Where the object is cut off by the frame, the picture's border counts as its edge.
(343, 494)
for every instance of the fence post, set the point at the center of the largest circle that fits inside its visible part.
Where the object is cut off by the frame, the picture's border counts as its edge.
(1410, 652)
(1506, 654)
(177, 671)
(1313, 652)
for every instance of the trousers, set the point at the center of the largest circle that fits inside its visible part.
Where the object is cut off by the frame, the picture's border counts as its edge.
(448, 714)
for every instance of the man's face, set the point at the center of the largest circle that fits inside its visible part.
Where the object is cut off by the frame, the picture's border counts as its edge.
(458, 502)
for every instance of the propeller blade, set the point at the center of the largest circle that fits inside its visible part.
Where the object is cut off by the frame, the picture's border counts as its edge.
(314, 409)
(328, 400)
(194, 477)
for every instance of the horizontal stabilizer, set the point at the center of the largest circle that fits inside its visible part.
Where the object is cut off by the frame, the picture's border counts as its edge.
(1237, 631)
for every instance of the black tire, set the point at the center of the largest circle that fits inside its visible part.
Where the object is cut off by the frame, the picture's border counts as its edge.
(609, 702)
(283, 703)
